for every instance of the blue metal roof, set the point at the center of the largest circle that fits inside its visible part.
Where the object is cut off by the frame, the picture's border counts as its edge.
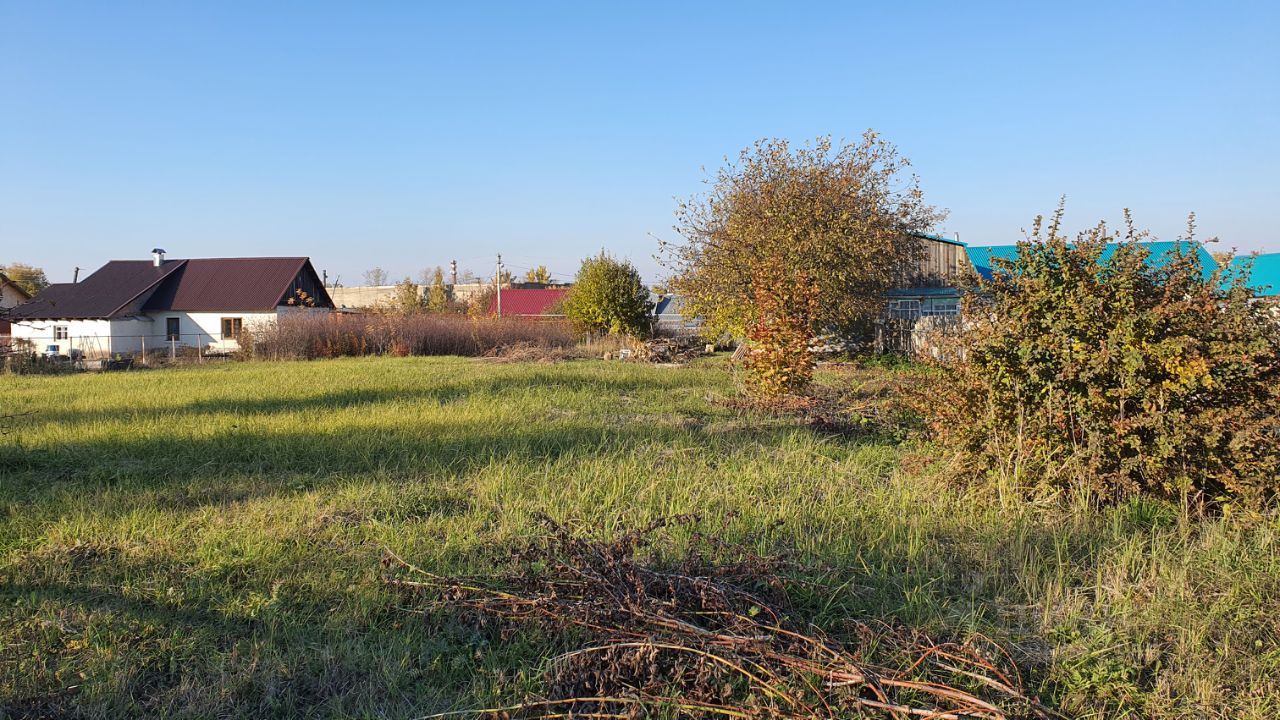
(1161, 253)
(1263, 272)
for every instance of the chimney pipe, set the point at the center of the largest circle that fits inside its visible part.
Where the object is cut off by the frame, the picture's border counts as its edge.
(157, 257)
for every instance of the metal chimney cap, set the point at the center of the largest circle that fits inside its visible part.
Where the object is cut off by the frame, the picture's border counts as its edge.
(157, 251)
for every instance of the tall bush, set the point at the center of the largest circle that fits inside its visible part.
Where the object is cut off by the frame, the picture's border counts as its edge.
(608, 297)
(1116, 371)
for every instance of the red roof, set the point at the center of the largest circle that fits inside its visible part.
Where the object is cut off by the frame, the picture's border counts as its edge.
(519, 302)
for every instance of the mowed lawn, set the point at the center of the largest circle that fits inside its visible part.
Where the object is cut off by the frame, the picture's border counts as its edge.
(206, 542)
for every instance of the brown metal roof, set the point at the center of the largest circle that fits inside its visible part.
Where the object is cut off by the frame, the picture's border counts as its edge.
(129, 287)
(118, 288)
(244, 284)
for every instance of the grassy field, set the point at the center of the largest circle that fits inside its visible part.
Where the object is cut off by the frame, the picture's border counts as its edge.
(206, 542)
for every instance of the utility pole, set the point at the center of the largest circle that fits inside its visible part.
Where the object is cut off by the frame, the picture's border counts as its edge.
(453, 272)
(497, 280)
(76, 277)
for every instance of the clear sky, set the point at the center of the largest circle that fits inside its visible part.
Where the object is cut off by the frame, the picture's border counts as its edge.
(406, 134)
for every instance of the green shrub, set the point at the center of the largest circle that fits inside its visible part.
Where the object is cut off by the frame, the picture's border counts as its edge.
(1109, 371)
(608, 297)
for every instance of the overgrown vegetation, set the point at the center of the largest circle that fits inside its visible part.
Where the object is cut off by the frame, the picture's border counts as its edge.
(787, 225)
(206, 542)
(1115, 372)
(308, 336)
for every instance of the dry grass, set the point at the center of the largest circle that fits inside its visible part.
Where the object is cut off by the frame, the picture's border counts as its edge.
(331, 335)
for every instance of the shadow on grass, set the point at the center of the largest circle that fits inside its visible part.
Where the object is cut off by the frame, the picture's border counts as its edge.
(438, 393)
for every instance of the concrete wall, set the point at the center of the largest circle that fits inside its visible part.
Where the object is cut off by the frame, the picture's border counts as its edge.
(365, 297)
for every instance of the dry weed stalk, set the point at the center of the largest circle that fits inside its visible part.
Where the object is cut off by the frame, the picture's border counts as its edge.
(704, 640)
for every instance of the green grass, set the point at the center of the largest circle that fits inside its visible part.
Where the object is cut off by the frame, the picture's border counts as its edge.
(205, 542)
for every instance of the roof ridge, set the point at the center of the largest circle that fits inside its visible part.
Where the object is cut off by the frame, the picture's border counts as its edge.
(162, 278)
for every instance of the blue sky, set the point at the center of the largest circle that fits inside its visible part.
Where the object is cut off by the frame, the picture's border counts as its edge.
(408, 134)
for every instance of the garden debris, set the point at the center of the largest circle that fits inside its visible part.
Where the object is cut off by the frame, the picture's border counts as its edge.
(679, 349)
(705, 640)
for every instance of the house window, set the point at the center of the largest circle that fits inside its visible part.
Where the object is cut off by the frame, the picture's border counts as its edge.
(59, 332)
(903, 308)
(172, 329)
(943, 307)
(231, 328)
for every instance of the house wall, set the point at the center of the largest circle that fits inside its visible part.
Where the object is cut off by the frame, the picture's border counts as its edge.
(941, 264)
(202, 329)
(96, 338)
(9, 296)
(88, 337)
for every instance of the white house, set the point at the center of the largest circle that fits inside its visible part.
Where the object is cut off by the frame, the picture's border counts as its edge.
(11, 295)
(131, 306)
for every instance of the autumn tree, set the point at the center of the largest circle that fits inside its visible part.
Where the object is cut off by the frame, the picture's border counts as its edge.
(608, 297)
(539, 274)
(28, 277)
(406, 297)
(437, 296)
(375, 277)
(826, 229)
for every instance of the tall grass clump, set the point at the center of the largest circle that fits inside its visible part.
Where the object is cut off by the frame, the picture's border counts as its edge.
(312, 336)
(1098, 366)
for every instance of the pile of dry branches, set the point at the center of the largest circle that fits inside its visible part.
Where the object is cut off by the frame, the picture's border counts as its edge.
(678, 349)
(703, 640)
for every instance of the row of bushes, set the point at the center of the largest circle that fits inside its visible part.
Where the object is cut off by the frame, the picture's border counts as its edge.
(1090, 365)
(330, 335)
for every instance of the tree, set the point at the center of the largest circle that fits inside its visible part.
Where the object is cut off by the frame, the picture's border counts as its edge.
(28, 277)
(503, 278)
(827, 230)
(437, 296)
(608, 296)
(406, 297)
(539, 274)
(375, 277)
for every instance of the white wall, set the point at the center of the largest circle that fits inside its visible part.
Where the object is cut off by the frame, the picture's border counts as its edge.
(130, 335)
(201, 329)
(91, 337)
